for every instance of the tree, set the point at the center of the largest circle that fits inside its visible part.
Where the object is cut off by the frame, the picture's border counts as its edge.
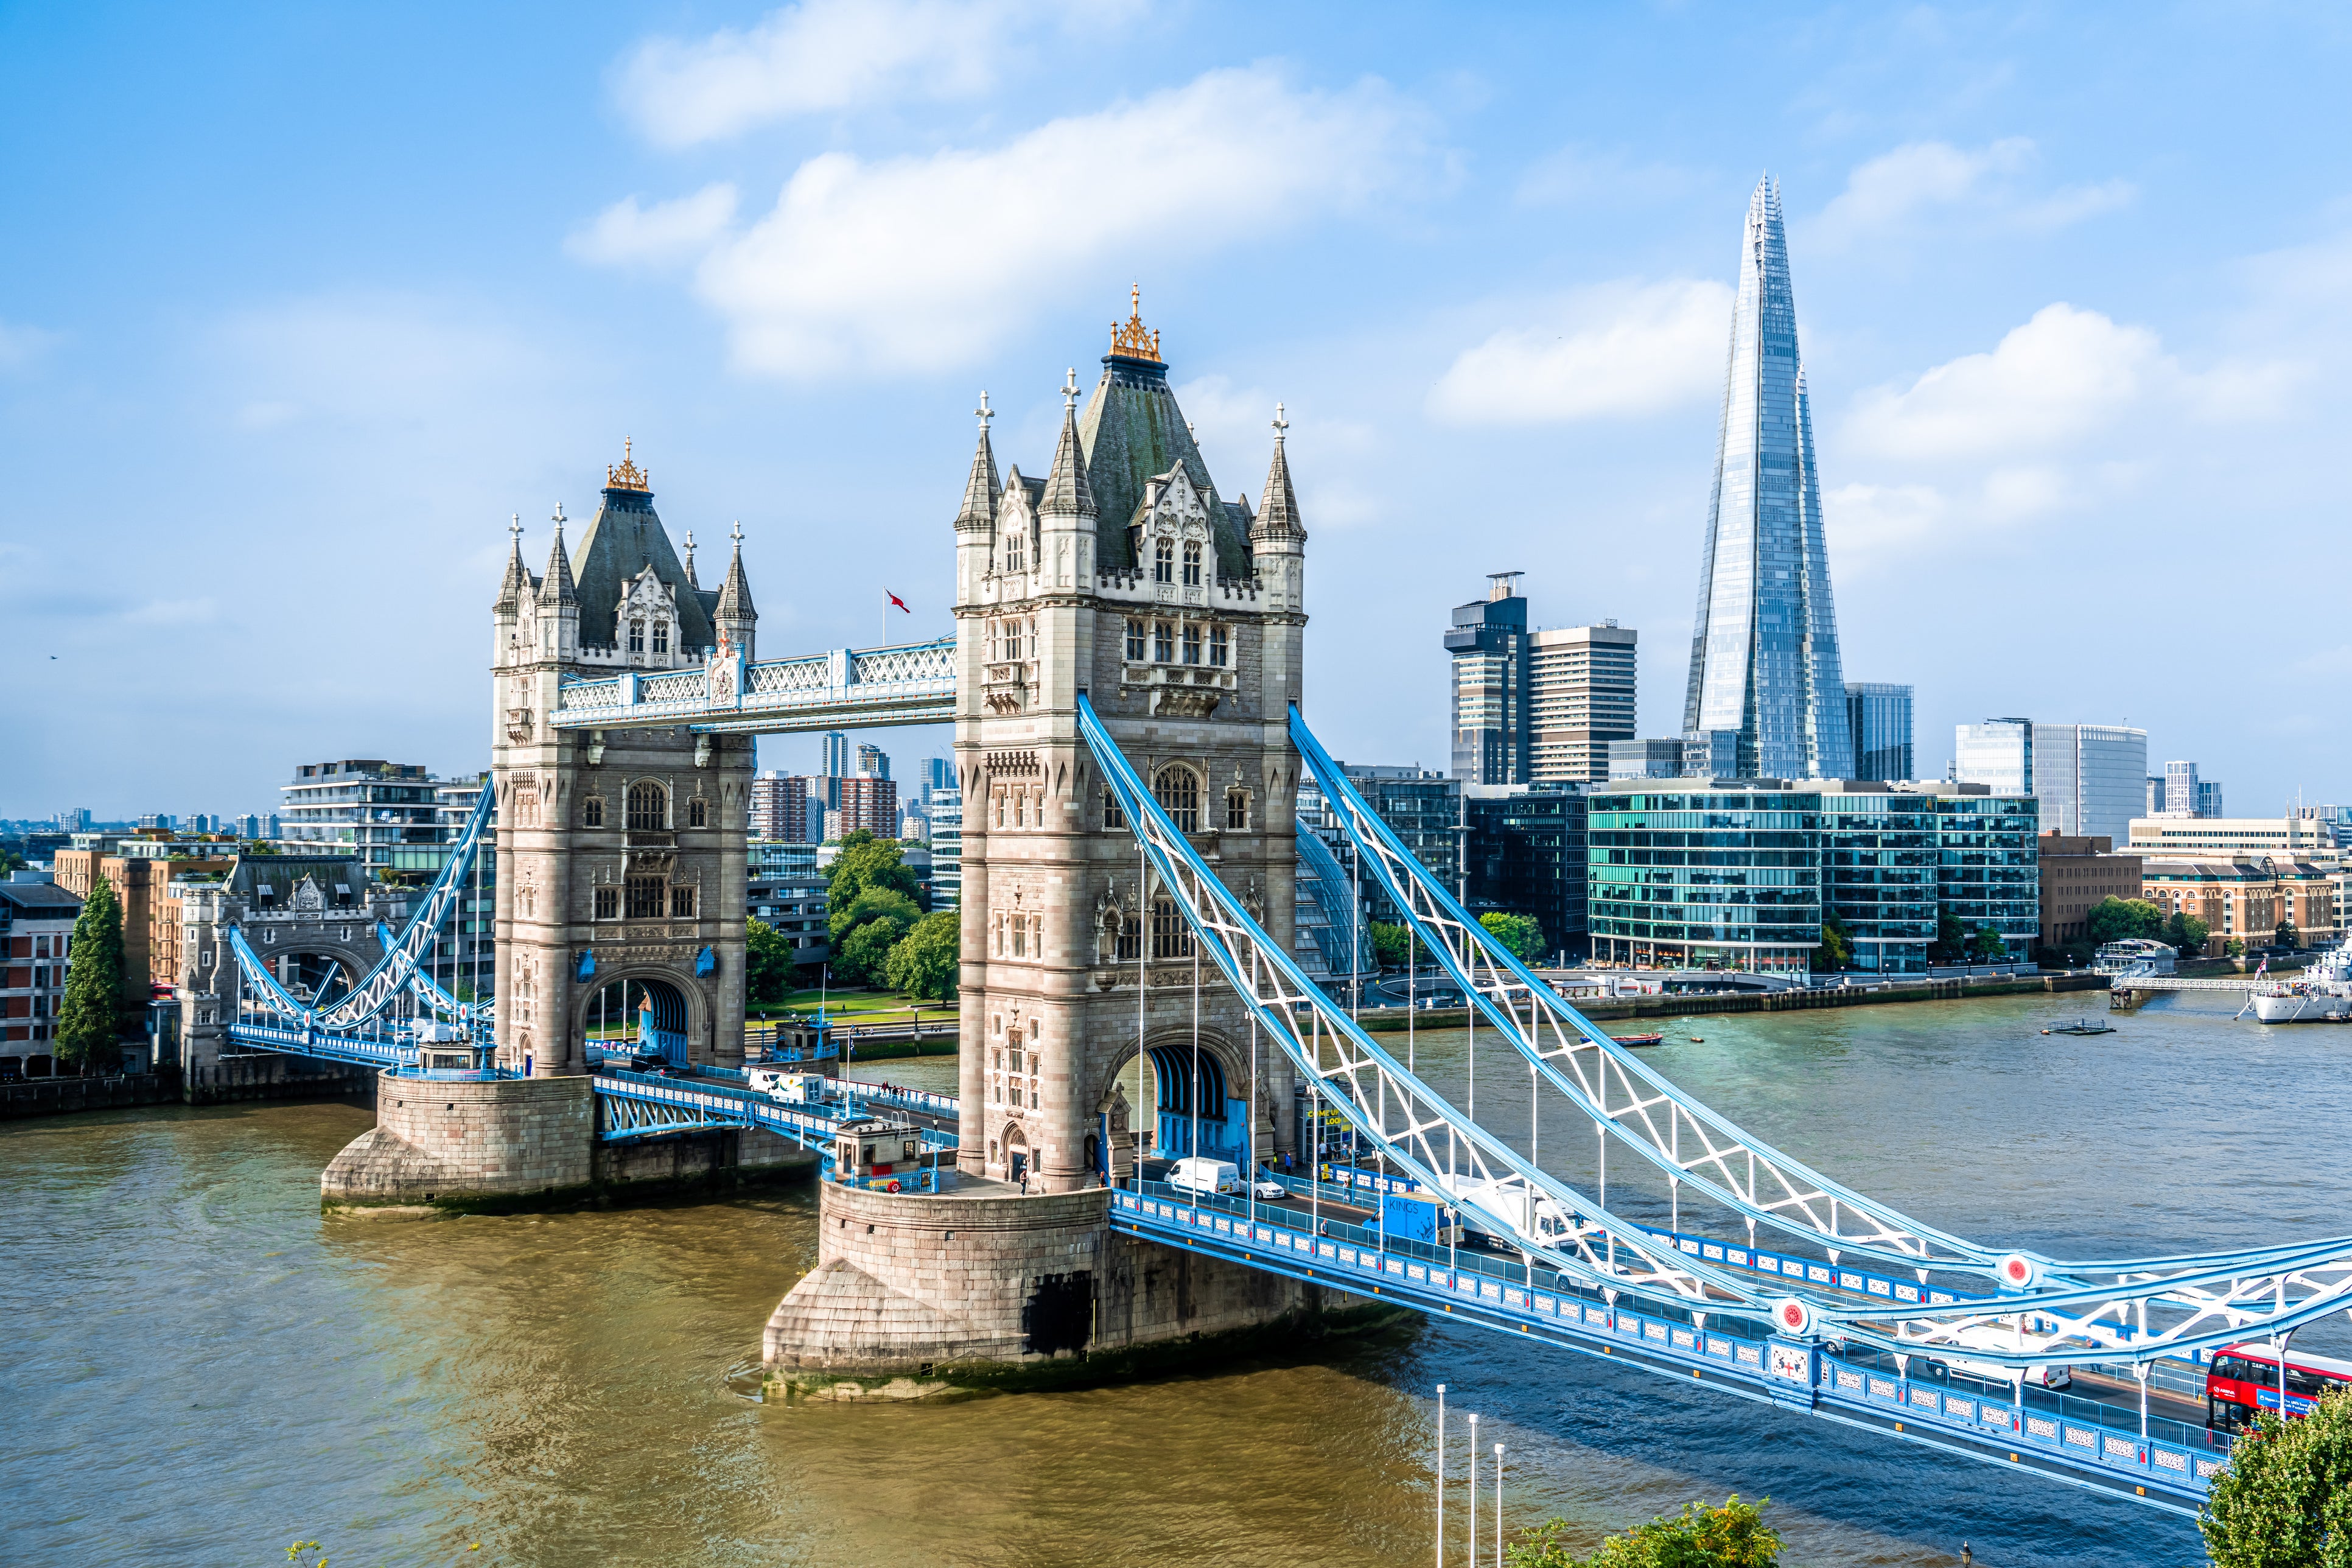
(1732, 1536)
(1389, 944)
(2122, 920)
(2285, 1501)
(1521, 933)
(1837, 944)
(2286, 936)
(1951, 943)
(2234, 947)
(2187, 932)
(865, 861)
(926, 961)
(863, 958)
(87, 1026)
(873, 904)
(1987, 945)
(767, 963)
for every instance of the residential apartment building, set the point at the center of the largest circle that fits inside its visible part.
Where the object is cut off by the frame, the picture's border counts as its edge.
(1539, 706)
(2080, 872)
(1879, 715)
(37, 920)
(869, 803)
(946, 847)
(2186, 794)
(1525, 855)
(784, 887)
(366, 809)
(779, 807)
(140, 875)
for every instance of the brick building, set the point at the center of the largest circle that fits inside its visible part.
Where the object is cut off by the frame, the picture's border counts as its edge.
(2246, 897)
(36, 928)
(140, 876)
(2079, 873)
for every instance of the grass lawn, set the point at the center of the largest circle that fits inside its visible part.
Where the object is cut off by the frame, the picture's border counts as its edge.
(841, 1004)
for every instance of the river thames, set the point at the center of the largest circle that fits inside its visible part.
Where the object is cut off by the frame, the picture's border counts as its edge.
(203, 1369)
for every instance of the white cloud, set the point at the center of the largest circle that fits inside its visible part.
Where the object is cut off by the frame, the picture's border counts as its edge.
(925, 261)
(1618, 350)
(625, 234)
(1893, 191)
(827, 55)
(20, 346)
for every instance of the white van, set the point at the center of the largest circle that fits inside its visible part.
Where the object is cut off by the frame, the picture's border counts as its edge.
(1534, 1215)
(1218, 1178)
(1987, 1337)
(789, 1088)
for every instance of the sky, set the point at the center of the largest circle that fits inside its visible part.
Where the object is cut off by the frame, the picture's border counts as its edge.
(299, 304)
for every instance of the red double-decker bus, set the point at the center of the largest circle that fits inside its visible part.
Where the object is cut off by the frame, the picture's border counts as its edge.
(2245, 1378)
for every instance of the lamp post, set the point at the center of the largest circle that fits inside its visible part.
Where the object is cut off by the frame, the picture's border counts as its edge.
(1441, 1476)
(1473, 1492)
(1498, 1507)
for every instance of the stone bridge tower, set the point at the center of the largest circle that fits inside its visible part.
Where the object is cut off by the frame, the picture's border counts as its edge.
(621, 853)
(1124, 574)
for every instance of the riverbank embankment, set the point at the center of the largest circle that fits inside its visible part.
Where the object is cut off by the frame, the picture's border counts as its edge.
(1676, 1004)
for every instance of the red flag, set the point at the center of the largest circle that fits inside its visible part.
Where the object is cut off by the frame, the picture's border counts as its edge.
(896, 600)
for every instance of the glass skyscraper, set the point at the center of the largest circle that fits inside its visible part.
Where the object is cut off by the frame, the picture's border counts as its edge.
(1879, 718)
(1764, 647)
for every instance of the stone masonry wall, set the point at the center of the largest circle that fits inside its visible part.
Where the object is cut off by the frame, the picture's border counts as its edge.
(436, 1142)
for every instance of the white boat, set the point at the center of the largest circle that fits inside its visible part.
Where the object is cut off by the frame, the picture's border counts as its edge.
(2320, 995)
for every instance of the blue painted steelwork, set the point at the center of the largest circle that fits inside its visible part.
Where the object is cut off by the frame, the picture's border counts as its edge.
(2081, 1448)
(633, 1106)
(904, 683)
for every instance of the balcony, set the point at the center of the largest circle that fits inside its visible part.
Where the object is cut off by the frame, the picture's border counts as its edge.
(1180, 690)
(1004, 687)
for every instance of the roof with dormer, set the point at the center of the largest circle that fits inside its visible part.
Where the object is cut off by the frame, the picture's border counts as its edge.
(625, 538)
(1133, 430)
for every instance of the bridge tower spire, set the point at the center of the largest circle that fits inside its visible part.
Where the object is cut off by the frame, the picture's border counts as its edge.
(733, 616)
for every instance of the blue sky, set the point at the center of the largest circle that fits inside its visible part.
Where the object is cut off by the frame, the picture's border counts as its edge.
(297, 305)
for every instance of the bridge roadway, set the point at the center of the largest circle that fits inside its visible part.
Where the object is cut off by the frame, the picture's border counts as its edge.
(2069, 1440)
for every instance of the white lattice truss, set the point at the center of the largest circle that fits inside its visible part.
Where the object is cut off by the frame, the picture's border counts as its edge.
(902, 683)
(2088, 1312)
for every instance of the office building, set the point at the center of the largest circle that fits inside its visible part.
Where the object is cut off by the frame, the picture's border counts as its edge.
(779, 807)
(836, 747)
(939, 773)
(784, 887)
(2244, 898)
(946, 847)
(1709, 754)
(2080, 872)
(74, 821)
(1487, 644)
(873, 761)
(1525, 855)
(1537, 706)
(1764, 645)
(869, 803)
(2089, 778)
(364, 808)
(1878, 859)
(1997, 753)
(2295, 835)
(37, 920)
(2186, 794)
(1988, 868)
(1879, 718)
(1425, 810)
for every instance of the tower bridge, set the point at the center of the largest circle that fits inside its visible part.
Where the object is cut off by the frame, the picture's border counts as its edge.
(1126, 685)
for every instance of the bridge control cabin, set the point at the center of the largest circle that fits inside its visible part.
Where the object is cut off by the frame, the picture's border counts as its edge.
(871, 1153)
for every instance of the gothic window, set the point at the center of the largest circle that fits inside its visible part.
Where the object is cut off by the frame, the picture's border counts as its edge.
(1113, 817)
(648, 807)
(1192, 566)
(698, 813)
(1037, 947)
(608, 903)
(1163, 642)
(1000, 808)
(1236, 809)
(1135, 642)
(1020, 809)
(1191, 645)
(1019, 937)
(591, 811)
(681, 903)
(1178, 791)
(636, 636)
(1217, 647)
(1130, 936)
(1012, 551)
(661, 637)
(1171, 937)
(646, 897)
(1163, 562)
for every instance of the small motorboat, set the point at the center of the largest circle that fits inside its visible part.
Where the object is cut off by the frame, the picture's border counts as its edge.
(1698, 1039)
(1639, 1039)
(2082, 1026)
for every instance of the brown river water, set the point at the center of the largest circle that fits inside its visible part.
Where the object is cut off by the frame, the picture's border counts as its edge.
(201, 1368)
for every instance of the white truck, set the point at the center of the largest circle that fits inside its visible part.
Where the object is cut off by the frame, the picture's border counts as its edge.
(786, 1088)
(1531, 1213)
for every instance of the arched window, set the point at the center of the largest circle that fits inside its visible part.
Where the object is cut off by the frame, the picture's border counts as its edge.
(1163, 642)
(1217, 646)
(1135, 653)
(1171, 937)
(648, 807)
(1113, 817)
(1013, 557)
(661, 637)
(698, 813)
(1191, 643)
(1192, 566)
(591, 811)
(636, 636)
(1178, 791)
(1236, 809)
(1163, 562)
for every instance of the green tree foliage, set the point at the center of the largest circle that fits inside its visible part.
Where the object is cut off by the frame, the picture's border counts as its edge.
(1521, 933)
(1987, 945)
(926, 961)
(864, 862)
(2122, 920)
(2234, 947)
(1837, 945)
(87, 1025)
(767, 963)
(2285, 1498)
(1390, 943)
(865, 958)
(2286, 936)
(1951, 943)
(1732, 1536)
(2187, 932)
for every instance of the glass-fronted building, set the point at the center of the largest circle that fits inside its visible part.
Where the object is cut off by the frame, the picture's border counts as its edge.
(1879, 857)
(1997, 753)
(2089, 778)
(1988, 865)
(365, 809)
(1696, 875)
(1880, 716)
(1526, 856)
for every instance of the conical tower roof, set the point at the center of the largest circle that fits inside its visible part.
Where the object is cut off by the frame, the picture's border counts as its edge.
(1277, 514)
(510, 586)
(735, 594)
(625, 537)
(556, 587)
(1133, 430)
(981, 488)
(1068, 493)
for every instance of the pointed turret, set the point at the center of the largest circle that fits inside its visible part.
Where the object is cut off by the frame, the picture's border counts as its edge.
(691, 580)
(1277, 513)
(733, 616)
(510, 587)
(1068, 493)
(981, 489)
(556, 587)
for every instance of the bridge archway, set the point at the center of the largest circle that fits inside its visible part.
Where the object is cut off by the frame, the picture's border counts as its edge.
(1161, 1086)
(649, 1006)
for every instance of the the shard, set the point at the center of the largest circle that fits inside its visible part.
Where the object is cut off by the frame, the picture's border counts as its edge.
(1765, 679)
